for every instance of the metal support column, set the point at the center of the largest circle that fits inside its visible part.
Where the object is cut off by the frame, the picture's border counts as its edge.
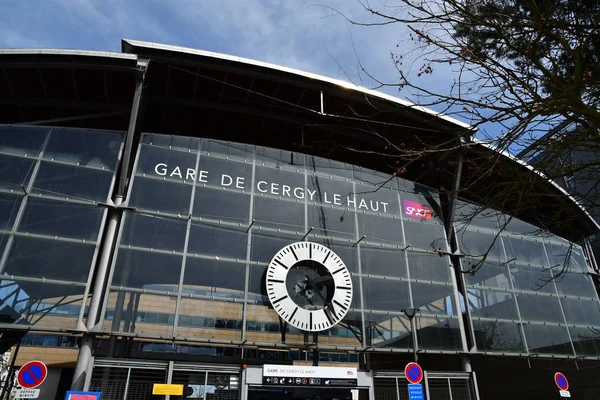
(87, 340)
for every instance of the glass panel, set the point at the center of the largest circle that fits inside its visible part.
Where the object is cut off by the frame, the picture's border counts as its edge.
(58, 218)
(384, 262)
(498, 336)
(40, 303)
(424, 235)
(214, 278)
(581, 312)
(176, 142)
(377, 228)
(226, 386)
(193, 381)
(532, 279)
(438, 333)
(83, 183)
(218, 240)
(576, 285)
(15, 172)
(257, 290)
(166, 164)
(586, 341)
(546, 339)
(388, 331)
(147, 270)
(141, 313)
(161, 195)
(279, 213)
(222, 204)
(489, 274)
(277, 182)
(329, 220)
(229, 174)
(492, 304)
(231, 149)
(277, 158)
(263, 325)
(433, 299)
(153, 232)
(374, 178)
(51, 259)
(380, 200)
(385, 295)
(266, 244)
(222, 319)
(540, 308)
(477, 244)
(525, 251)
(9, 207)
(428, 266)
(565, 256)
(421, 206)
(22, 140)
(84, 147)
(327, 167)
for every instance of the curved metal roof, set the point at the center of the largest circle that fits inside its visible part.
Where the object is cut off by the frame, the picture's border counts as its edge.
(190, 92)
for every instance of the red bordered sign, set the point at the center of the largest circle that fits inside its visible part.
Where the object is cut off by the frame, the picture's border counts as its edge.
(413, 372)
(32, 374)
(561, 381)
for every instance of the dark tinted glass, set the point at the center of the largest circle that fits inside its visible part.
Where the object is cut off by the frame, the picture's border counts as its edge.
(147, 270)
(278, 213)
(424, 235)
(436, 299)
(153, 232)
(59, 218)
(547, 339)
(385, 295)
(428, 266)
(9, 207)
(478, 244)
(67, 180)
(164, 163)
(586, 341)
(266, 244)
(575, 284)
(388, 330)
(207, 277)
(498, 336)
(490, 274)
(222, 204)
(581, 312)
(438, 334)
(161, 195)
(540, 308)
(51, 259)
(492, 304)
(377, 228)
(15, 172)
(22, 140)
(98, 149)
(218, 240)
(328, 220)
(384, 262)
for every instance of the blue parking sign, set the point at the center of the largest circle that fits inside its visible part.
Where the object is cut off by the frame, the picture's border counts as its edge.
(415, 391)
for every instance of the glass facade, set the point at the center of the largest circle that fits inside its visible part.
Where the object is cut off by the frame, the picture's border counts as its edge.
(202, 219)
(527, 291)
(54, 183)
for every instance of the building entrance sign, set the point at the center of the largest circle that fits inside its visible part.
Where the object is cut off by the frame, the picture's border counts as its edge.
(273, 188)
(291, 375)
(309, 286)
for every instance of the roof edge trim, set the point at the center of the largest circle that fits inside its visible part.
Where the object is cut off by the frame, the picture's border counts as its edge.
(69, 52)
(310, 75)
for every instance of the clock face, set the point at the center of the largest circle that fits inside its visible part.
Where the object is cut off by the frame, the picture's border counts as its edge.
(309, 286)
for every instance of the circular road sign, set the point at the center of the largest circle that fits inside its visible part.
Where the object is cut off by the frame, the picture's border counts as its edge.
(32, 374)
(561, 381)
(413, 372)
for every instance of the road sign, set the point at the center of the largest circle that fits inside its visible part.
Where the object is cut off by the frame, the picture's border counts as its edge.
(32, 374)
(27, 393)
(415, 392)
(561, 381)
(413, 372)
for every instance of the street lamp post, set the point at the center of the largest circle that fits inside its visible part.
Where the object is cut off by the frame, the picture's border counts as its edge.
(410, 314)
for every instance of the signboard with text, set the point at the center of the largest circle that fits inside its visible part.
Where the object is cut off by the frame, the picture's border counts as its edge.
(291, 375)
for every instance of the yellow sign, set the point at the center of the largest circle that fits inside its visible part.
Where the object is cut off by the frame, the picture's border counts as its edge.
(165, 389)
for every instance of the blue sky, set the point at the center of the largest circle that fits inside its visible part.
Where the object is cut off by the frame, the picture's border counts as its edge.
(302, 34)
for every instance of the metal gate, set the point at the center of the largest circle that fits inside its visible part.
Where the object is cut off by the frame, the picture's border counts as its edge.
(437, 386)
(133, 380)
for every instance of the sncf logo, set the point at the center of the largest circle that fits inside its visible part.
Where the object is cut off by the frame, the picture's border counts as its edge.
(350, 372)
(416, 210)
